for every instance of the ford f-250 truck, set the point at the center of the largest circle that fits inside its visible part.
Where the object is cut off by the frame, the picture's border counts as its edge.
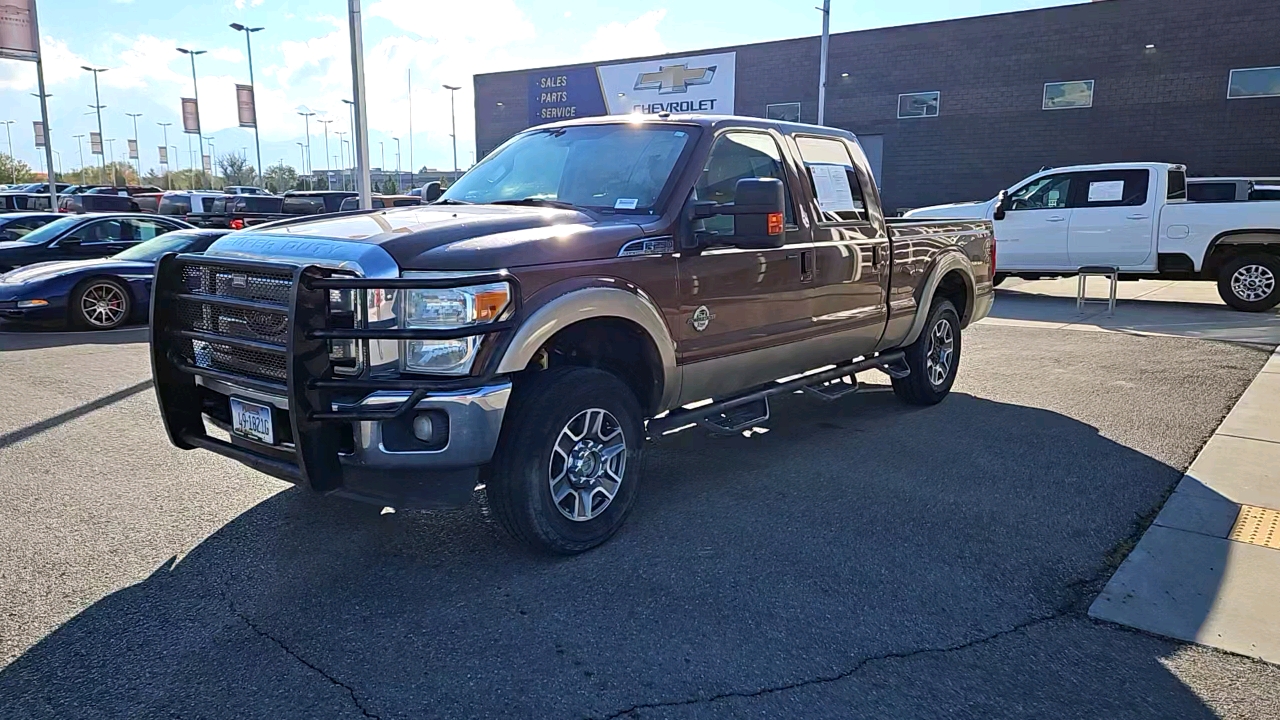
(1134, 217)
(565, 299)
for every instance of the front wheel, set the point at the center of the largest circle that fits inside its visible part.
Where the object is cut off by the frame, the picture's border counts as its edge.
(101, 304)
(934, 358)
(567, 467)
(1249, 282)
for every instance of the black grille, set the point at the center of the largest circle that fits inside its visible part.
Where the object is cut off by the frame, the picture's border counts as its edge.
(267, 323)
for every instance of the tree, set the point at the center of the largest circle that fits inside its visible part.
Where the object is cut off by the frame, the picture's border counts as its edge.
(13, 170)
(321, 182)
(388, 187)
(280, 177)
(236, 170)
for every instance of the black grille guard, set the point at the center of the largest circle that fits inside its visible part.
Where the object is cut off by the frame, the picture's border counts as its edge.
(311, 385)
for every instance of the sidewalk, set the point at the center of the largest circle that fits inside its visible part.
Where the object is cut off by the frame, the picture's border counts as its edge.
(1208, 569)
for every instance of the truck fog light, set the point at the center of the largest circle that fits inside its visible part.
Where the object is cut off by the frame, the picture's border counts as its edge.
(422, 427)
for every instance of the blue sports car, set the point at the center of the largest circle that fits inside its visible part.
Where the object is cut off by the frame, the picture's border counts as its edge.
(98, 294)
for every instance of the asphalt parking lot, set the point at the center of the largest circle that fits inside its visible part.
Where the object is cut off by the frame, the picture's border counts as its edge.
(860, 559)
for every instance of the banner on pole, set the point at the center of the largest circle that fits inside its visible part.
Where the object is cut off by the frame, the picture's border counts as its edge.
(19, 38)
(39, 127)
(244, 106)
(164, 155)
(190, 116)
(133, 149)
(95, 143)
(208, 164)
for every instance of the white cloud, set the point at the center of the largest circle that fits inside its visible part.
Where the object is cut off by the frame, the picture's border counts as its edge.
(621, 40)
(227, 54)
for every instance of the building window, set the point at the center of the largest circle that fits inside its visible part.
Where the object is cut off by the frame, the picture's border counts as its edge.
(1064, 95)
(918, 105)
(786, 112)
(1254, 83)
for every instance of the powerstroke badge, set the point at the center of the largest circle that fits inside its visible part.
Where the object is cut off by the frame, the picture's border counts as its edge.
(701, 318)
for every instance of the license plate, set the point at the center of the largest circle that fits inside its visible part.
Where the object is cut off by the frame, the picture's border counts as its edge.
(252, 421)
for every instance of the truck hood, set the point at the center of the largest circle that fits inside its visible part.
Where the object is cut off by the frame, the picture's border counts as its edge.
(450, 237)
(953, 210)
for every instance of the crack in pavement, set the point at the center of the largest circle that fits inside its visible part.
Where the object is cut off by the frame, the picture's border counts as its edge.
(291, 653)
(825, 679)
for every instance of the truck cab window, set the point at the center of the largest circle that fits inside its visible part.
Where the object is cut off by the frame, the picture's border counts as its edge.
(834, 179)
(1047, 193)
(734, 157)
(1112, 188)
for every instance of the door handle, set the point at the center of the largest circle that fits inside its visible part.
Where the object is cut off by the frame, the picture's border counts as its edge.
(1138, 217)
(806, 265)
(1055, 218)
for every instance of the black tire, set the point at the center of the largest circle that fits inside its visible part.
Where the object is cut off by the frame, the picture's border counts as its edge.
(107, 318)
(1250, 282)
(519, 486)
(920, 388)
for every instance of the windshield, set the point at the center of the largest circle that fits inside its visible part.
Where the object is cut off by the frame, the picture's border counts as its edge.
(50, 231)
(622, 166)
(151, 250)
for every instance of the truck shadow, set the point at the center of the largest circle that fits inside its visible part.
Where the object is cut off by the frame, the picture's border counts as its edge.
(905, 562)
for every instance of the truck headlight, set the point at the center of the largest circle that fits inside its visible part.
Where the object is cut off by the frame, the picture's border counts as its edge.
(446, 309)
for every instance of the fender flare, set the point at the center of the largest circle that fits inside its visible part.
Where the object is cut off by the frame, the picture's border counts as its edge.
(945, 264)
(621, 301)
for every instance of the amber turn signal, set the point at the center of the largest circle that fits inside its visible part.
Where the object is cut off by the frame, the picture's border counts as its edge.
(775, 224)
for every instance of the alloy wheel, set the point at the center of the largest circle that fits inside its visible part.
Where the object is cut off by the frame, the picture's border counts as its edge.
(1253, 283)
(587, 464)
(942, 344)
(103, 305)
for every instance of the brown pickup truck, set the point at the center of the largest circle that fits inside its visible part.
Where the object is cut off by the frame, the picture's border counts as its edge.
(589, 285)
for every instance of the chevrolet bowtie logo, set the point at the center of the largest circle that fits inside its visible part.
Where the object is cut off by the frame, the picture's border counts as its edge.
(674, 78)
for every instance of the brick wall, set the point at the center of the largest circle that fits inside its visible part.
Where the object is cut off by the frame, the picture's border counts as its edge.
(1163, 104)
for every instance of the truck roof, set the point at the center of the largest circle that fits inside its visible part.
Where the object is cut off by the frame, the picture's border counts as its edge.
(713, 122)
(1113, 166)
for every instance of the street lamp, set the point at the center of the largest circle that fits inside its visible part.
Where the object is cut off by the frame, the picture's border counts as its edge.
(351, 106)
(9, 134)
(453, 122)
(177, 157)
(112, 154)
(306, 161)
(326, 149)
(302, 149)
(342, 150)
(195, 92)
(212, 159)
(137, 160)
(397, 163)
(168, 180)
(98, 106)
(80, 147)
(257, 145)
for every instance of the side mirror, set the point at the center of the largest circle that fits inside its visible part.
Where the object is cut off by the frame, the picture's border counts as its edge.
(1002, 205)
(431, 192)
(758, 209)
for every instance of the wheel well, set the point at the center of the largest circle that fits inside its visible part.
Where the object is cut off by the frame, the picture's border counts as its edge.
(953, 287)
(611, 344)
(1222, 252)
(80, 284)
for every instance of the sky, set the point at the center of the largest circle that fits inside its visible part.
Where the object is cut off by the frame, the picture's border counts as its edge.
(301, 61)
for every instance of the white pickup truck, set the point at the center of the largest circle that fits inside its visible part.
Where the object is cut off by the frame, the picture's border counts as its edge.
(1135, 217)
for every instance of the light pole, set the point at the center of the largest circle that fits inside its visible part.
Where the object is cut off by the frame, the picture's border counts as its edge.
(326, 150)
(306, 161)
(137, 160)
(195, 93)
(9, 135)
(55, 152)
(178, 158)
(257, 145)
(111, 153)
(382, 150)
(410, 85)
(397, 163)
(212, 159)
(97, 106)
(168, 181)
(453, 122)
(302, 149)
(361, 130)
(342, 150)
(351, 106)
(822, 63)
(80, 147)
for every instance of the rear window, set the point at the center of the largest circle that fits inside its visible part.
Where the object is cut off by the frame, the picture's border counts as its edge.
(833, 177)
(259, 203)
(1212, 192)
(147, 204)
(305, 205)
(219, 205)
(174, 205)
(1177, 185)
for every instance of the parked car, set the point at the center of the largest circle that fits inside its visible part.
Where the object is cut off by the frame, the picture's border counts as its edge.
(93, 202)
(314, 202)
(23, 202)
(78, 237)
(543, 312)
(233, 211)
(244, 190)
(1134, 217)
(96, 294)
(184, 202)
(1228, 189)
(148, 202)
(380, 201)
(15, 225)
(41, 187)
(126, 190)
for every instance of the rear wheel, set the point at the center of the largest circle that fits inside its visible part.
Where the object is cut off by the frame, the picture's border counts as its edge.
(1250, 282)
(567, 467)
(934, 358)
(101, 304)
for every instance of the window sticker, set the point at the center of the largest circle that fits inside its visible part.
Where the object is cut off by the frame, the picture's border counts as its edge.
(1106, 191)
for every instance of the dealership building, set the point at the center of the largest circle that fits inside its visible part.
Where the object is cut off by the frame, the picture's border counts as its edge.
(957, 110)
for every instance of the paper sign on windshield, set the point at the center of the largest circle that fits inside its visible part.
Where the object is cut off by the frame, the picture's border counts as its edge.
(1106, 191)
(831, 183)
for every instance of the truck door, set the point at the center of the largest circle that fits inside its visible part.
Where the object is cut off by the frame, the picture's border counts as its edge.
(1033, 234)
(737, 303)
(1112, 219)
(851, 247)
